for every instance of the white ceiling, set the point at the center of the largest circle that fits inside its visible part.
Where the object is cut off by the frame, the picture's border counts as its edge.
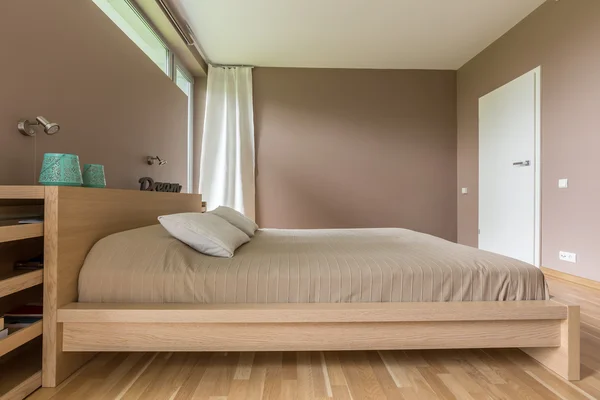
(383, 34)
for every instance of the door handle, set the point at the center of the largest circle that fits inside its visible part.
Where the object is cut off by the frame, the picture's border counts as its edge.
(522, 163)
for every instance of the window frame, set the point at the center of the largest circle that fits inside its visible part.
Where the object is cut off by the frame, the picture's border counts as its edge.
(172, 64)
(136, 9)
(178, 65)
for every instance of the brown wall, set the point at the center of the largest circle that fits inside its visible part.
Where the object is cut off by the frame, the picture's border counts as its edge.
(564, 38)
(356, 148)
(67, 61)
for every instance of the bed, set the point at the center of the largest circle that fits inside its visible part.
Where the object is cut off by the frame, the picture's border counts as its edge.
(332, 290)
(148, 265)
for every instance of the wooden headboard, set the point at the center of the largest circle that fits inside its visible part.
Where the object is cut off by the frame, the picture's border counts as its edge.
(74, 220)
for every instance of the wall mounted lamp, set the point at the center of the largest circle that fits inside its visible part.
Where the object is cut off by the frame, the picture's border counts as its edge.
(25, 126)
(151, 160)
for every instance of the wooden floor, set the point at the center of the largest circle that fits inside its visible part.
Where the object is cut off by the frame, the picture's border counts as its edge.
(456, 374)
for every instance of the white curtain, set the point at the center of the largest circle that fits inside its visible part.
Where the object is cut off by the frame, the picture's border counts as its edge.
(227, 159)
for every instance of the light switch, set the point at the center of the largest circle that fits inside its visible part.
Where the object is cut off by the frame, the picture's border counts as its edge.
(464, 190)
(563, 183)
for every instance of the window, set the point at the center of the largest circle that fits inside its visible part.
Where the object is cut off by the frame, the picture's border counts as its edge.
(132, 22)
(186, 84)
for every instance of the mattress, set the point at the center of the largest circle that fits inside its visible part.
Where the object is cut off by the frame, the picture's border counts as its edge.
(147, 265)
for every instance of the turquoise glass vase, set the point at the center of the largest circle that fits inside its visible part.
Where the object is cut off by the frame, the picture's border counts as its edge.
(93, 176)
(61, 170)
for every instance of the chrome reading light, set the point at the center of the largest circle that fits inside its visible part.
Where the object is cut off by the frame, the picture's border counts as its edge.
(26, 127)
(151, 160)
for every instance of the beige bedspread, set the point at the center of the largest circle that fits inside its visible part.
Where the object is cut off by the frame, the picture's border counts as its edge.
(290, 266)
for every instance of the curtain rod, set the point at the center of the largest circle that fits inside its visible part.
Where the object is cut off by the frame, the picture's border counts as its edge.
(231, 66)
(183, 33)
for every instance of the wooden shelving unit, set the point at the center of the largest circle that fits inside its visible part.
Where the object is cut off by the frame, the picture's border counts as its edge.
(20, 352)
(21, 372)
(20, 337)
(22, 192)
(19, 280)
(12, 230)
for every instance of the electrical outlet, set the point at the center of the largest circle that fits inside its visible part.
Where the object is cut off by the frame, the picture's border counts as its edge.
(568, 257)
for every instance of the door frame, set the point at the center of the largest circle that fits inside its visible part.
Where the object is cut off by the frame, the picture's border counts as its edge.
(537, 217)
(537, 237)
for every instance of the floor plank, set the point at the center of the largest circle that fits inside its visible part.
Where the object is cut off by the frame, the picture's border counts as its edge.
(388, 375)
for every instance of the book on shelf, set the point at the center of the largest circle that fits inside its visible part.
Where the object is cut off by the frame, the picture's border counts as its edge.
(22, 317)
(32, 310)
(3, 333)
(13, 324)
(32, 221)
(8, 321)
(1, 323)
(32, 264)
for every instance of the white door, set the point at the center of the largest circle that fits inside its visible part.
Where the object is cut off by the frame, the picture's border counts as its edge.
(509, 138)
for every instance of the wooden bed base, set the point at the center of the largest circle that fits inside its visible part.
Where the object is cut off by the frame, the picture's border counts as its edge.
(76, 218)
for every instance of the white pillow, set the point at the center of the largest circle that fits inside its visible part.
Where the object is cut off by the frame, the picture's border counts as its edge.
(206, 233)
(236, 219)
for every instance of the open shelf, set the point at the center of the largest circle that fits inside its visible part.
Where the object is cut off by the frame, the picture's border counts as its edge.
(21, 371)
(21, 211)
(12, 230)
(19, 280)
(22, 192)
(20, 337)
(21, 351)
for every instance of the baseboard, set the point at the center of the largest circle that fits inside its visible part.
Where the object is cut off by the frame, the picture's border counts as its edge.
(571, 278)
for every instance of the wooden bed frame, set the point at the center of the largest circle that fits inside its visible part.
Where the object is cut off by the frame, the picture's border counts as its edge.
(76, 218)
